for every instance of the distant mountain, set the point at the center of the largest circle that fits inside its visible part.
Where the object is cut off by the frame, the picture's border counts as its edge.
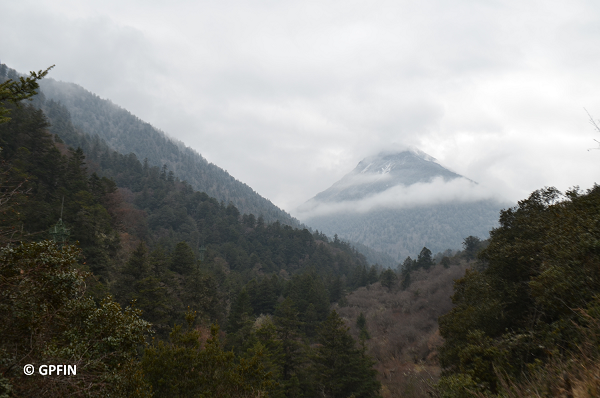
(399, 202)
(378, 173)
(126, 133)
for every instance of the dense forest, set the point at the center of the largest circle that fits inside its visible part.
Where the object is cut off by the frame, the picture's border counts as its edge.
(403, 232)
(152, 288)
(216, 303)
(526, 320)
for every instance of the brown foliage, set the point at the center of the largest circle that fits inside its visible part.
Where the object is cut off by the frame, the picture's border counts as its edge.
(403, 327)
(120, 207)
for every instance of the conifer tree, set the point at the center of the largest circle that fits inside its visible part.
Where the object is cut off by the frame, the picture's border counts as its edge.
(183, 260)
(388, 278)
(13, 91)
(363, 333)
(182, 367)
(425, 259)
(292, 358)
(342, 370)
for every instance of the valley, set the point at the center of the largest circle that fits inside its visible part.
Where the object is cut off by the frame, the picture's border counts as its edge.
(173, 278)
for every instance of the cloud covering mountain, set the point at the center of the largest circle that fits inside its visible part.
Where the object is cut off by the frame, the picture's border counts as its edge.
(398, 202)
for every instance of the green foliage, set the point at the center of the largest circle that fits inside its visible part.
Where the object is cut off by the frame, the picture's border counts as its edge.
(46, 318)
(471, 244)
(458, 385)
(388, 278)
(13, 91)
(47, 176)
(425, 259)
(342, 370)
(130, 135)
(292, 356)
(240, 321)
(445, 261)
(361, 324)
(138, 227)
(184, 367)
(183, 260)
(518, 312)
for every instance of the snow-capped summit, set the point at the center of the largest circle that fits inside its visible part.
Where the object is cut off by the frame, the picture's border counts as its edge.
(378, 173)
(397, 202)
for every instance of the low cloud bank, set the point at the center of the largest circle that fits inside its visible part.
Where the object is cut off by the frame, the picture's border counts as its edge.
(435, 192)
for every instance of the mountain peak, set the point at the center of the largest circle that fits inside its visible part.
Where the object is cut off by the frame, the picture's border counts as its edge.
(387, 169)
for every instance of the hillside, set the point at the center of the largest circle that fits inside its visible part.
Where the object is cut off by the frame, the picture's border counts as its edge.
(138, 237)
(126, 133)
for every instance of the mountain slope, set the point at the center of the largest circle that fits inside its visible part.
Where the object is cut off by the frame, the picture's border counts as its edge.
(126, 133)
(399, 202)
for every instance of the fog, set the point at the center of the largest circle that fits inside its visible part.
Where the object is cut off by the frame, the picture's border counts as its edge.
(289, 96)
(435, 192)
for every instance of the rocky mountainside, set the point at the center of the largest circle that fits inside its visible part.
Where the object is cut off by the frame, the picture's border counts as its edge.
(126, 133)
(399, 202)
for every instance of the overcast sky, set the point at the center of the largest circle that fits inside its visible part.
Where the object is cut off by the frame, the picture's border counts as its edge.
(288, 96)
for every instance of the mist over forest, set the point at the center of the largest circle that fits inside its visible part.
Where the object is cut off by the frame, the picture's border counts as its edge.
(126, 254)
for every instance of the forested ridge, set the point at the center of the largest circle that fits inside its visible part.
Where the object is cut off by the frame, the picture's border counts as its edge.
(216, 303)
(126, 133)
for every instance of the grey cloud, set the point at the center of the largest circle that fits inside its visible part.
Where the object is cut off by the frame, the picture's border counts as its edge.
(289, 96)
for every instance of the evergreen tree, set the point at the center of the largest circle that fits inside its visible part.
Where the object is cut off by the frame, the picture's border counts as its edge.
(408, 266)
(183, 260)
(363, 333)
(201, 294)
(240, 321)
(471, 244)
(373, 276)
(336, 289)
(292, 359)
(342, 370)
(406, 280)
(425, 259)
(445, 261)
(521, 311)
(388, 278)
(138, 265)
(183, 368)
(13, 91)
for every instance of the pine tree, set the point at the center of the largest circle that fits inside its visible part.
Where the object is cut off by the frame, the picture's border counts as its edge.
(12, 91)
(363, 333)
(240, 321)
(138, 266)
(388, 278)
(343, 370)
(292, 356)
(184, 368)
(183, 260)
(425, 259)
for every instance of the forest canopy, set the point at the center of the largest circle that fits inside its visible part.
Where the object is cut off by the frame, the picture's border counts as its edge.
(151, 273)
(532, 298)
